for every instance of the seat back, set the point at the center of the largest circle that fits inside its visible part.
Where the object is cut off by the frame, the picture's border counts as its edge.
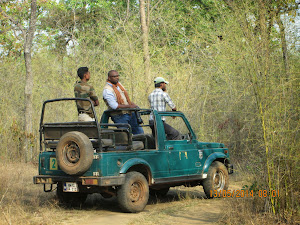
(147, 139)
(110, 138)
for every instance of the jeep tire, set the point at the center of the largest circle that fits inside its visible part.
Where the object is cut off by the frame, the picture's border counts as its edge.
(74, 153)
(217, 179)
(133, 195)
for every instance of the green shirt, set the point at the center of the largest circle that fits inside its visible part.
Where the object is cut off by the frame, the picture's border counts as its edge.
(84, 90)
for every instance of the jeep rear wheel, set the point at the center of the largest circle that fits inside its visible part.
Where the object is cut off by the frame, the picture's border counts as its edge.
(217, 179)
(133, 195)
(74, 153)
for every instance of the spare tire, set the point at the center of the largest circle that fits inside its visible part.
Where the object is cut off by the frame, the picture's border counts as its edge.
(74, 153)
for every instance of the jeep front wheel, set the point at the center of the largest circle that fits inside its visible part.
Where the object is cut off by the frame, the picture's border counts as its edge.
(74, 153)
(217, 179)
(133, 195)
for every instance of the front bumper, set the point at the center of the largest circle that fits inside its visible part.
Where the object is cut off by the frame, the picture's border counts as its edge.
(96, 181)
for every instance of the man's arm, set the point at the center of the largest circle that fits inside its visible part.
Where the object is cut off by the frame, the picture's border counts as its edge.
(127, 106)
(109, 97)
(112, 101)
(169, 101)
(93, 96)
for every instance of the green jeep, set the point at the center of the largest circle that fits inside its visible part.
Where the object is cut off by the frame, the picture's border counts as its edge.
(82, 158)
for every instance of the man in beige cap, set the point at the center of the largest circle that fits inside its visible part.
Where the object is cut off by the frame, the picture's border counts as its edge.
(158, 100)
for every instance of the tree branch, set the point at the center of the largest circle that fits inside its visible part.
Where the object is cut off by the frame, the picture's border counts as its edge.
(154, 6)
(5, 30)
(12, 19)
(32, 25)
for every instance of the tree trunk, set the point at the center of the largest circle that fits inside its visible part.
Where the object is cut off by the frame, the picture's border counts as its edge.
(28, 145)
(265, 51)
(283, 47)
(145, 36)
(128, 9)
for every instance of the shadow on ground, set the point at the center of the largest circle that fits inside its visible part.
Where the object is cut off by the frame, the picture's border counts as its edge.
(97, 202)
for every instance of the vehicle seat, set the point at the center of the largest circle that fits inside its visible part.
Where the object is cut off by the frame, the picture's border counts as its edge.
(147, 139)
(137, 145)
(106, 142)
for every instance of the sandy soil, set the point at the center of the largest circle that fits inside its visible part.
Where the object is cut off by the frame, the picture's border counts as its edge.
(180, 206)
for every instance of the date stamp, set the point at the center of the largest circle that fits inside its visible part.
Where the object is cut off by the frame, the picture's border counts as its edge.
(244, 193)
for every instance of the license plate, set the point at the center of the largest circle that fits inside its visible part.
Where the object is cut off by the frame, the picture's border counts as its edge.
(53, 164)
(71, 187)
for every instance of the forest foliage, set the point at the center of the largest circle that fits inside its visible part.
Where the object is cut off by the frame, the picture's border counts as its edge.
(233, 68)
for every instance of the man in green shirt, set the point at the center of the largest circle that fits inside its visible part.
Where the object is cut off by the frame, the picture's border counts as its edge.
(83, 90)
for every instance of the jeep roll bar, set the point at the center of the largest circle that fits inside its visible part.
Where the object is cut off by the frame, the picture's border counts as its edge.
(68, 99)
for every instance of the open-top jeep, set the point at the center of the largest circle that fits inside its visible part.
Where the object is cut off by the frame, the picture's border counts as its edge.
(102, 157)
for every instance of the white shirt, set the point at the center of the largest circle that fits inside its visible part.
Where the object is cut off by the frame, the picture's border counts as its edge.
(158, 100)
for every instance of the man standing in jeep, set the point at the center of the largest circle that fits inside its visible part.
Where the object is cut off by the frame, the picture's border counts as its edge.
(84, 90)
(158, 100)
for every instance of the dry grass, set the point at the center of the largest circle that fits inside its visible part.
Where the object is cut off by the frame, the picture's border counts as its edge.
(22, 202)
(249, 210)
(244, 211)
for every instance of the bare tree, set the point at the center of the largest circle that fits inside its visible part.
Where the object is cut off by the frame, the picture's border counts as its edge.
(283, 47)
(145, 39)
(28, 35)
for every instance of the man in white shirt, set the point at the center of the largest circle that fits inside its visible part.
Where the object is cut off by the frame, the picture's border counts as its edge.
(116, 97)
(158, 100)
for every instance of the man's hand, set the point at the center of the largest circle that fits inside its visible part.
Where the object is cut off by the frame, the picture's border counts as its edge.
(127, 106)
(133, 106)
(174, 109)
(96, 103)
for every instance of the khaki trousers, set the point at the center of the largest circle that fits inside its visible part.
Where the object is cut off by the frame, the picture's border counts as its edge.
(85, 117)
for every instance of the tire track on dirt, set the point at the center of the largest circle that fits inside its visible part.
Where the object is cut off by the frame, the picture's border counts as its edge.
(180, 206)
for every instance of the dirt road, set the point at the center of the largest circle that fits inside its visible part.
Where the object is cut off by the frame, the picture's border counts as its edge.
(180, 206)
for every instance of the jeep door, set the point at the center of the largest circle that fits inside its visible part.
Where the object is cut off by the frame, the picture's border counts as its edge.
(183, 154)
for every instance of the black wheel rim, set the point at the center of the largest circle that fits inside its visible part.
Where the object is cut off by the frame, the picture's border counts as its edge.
(71, 153)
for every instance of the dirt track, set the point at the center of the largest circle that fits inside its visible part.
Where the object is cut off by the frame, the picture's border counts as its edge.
(180, 206)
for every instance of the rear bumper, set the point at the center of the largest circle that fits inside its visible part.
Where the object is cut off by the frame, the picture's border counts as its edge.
(95, 181)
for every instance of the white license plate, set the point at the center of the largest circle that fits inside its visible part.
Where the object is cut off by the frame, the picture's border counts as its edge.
(71, 187)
